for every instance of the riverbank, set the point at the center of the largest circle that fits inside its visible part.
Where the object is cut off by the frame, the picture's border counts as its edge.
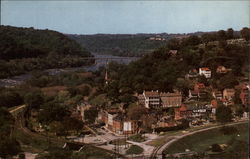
(101, 61)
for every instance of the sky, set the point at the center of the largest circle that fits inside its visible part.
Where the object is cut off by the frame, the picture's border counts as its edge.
(91, 17)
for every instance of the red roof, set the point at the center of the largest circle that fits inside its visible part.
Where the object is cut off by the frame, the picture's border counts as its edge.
(205, 69)
(214, 103)
(151, 93)
(183, 108)
(200, 85)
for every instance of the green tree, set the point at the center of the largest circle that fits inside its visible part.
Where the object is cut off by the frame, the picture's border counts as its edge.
(34, 100)
(8, 145)
(245, 33)
(10, 98)
(223, 114)
(55, 153)
(91, 114)
(230, 33)
(221, 34)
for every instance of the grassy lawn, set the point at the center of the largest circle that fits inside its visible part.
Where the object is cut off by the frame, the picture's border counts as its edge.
(137, 138)
(134, 149)
(118, 142)
(94, 153)
(200, 142)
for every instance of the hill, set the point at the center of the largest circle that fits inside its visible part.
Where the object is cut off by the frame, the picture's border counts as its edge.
(128, 44)
(27, 49)
(122, 44)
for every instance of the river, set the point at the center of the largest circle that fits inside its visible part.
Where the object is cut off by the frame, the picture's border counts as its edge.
(17, 80)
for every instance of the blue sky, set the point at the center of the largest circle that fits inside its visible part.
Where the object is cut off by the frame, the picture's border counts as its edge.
(91, 17)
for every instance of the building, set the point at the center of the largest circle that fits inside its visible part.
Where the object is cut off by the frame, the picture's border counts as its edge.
(217, 94)
(244, 95)
(222, 69)
(117, 123)
(171, 99)
(80, 109)
(193, 113)
(130, 127)
(154, 99)
(173, 52)
(166, 121)
(193, 94)
(214, 106)
(199, 87)
(192, 74)
(205, 71)
(180, 112)
(228, 94)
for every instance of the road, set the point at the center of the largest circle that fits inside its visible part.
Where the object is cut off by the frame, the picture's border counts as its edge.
(157, 153)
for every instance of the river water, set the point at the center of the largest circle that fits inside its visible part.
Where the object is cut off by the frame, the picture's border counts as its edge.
(17, 80)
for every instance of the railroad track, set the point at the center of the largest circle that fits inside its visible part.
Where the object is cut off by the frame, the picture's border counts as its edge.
(20, 125)
(155, 154)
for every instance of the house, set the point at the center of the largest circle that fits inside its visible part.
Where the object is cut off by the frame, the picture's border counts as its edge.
(198, 87)
(222, 69)
(205, 71)
(192, 112)
(214, 106)
(180, 112)
(154, 99)
(244, 96)
(217, 94)
(197, 95)
(166, 121)
(172, 52)
(192, 74)
(80, 111)
(198, 111)
(171, 99)
(193, 94)
(228, 94)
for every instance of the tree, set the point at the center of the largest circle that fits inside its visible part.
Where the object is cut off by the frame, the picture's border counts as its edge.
(230, 33)
(91, 114)
(52, 111)
(135, 112)
(245, 33)
(223, 114)
(34, 100)
(8, 145)
(221, 34)
(10, 98)
(56, 153)
(216, 148)
(227, 81)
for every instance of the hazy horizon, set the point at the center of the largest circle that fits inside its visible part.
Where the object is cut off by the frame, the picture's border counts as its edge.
(126, 17)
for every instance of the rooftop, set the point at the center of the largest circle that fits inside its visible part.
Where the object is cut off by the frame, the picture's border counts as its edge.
(205, 69)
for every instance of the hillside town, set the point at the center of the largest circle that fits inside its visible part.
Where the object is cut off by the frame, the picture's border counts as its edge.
(124, 80)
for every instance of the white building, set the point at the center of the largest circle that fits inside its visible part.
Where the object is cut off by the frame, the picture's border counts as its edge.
(205, 71)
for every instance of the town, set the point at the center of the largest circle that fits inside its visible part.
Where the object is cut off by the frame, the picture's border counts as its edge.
(124, 80)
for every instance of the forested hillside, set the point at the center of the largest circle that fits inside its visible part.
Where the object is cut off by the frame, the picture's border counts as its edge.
(128, 44)
(121, 44)
(164, 71)
(26, 49)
